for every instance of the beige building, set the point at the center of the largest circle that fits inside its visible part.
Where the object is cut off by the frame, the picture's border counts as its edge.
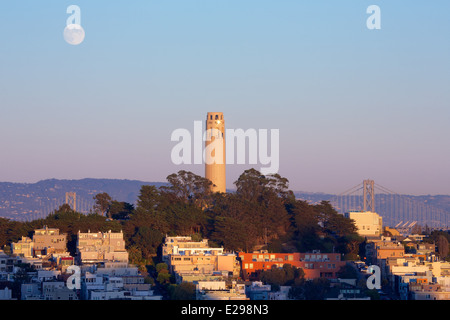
(369, 224)
(45, 241)
(203, 264)
(215, 151)
(49, 240)
(99, 247)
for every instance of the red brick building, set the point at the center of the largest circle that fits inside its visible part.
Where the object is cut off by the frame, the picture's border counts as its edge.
(315, 265)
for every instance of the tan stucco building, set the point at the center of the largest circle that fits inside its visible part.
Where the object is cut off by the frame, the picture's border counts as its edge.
(45, 241)
(369, 224)
(99, 247)
(49, 240)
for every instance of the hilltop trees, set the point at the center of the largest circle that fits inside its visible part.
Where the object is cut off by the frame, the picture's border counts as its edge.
(252, 216)
(262, 213)
(322, 227)
(102, 203)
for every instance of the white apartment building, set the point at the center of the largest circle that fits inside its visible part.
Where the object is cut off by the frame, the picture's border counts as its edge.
(369, 224)
(184, 245)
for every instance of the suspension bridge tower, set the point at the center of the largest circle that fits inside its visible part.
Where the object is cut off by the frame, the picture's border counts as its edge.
(71, 200)
(369, 195)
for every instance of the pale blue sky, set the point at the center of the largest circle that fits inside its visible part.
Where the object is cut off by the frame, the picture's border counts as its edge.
(350, 103)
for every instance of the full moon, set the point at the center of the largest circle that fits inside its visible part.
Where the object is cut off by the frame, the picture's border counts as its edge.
(74, 34)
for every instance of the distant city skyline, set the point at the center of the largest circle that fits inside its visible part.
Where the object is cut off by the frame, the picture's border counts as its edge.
(350, 103)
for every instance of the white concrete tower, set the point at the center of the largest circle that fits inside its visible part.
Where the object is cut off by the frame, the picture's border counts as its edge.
(215, 151)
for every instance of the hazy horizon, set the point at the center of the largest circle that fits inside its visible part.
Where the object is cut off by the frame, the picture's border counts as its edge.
(231, 188)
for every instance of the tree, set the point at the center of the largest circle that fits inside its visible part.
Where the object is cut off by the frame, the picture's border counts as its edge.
(265, 196)
(305, 225)
(288, 275)
(188, 187)
(148, 200)
(348, 272)
(183, 291)
(164, 276)
(332, 222)
(102, 204)
(316, 289)
(120, 210)
(147, 240)
(253, 186)
(442, 246)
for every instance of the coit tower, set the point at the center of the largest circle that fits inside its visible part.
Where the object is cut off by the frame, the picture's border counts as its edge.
(215, 151)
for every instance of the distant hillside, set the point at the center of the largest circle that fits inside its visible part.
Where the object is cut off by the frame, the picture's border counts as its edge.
(25, 201)
(28, 201)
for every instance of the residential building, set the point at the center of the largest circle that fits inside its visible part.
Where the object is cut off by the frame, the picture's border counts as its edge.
(204, 264)
(184, 245)
(23, 248)
(258, 291)
(314, 264)
(99, 247)
(57, 290)
(49, 240)
(115, 280)
(6, 262)
(5, 293)
(368, 224)
(192, 260)
(45, 241)
(31, 291)
(428, 292)
(218, 290)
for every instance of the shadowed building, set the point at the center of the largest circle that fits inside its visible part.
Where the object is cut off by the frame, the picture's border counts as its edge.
(215, 151)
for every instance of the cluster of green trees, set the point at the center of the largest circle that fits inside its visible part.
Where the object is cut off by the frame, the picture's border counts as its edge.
(441, 239)
(262, 213)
